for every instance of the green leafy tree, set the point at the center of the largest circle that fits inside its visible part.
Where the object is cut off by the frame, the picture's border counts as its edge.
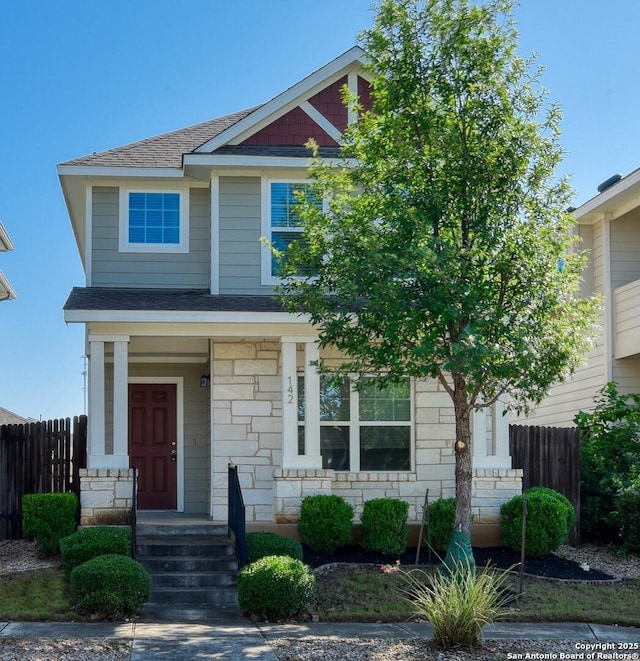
(445, 249)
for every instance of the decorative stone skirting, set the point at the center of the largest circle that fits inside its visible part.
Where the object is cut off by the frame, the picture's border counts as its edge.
(105, 496)
(290, 486)
(492, 487)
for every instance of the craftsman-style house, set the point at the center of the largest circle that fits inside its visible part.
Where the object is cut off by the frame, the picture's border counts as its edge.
(193, 364)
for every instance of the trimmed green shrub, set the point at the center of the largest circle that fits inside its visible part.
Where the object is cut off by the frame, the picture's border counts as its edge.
(627, 515)
(325, 522)
(49, 517)
(276, 587)
(609, 460)
(384, 526)
(261, 544)
(563, 500)
(546, 523)
(442, 516)
(91, 542)
(111, 585)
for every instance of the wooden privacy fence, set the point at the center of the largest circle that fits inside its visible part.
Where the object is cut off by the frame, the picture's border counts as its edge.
(549, 457)
(40, 457)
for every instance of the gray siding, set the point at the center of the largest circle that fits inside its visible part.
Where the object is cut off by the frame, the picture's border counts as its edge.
(240, 233)
(111, 268)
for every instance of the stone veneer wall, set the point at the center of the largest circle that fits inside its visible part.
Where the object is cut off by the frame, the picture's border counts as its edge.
(105, 496)
(246, 424)
(246, 430)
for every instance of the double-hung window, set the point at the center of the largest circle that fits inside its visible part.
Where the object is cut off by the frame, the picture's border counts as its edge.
(368, 429)
(282, 224)
(153, 221)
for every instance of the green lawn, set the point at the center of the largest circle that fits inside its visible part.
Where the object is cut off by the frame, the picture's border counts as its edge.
(366, 594)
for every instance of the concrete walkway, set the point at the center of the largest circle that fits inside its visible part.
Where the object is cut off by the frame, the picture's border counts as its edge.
(191, 634)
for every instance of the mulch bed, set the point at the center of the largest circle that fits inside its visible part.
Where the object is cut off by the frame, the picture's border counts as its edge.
(549, 566)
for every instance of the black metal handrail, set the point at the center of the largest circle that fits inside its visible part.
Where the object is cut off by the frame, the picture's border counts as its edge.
(134, 509)
(236, 516)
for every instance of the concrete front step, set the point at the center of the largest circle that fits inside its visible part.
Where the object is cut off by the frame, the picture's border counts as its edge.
(192, 565)
(221, 596)
(162, 563)
(182, 545)
(169, 529)
(187, 579)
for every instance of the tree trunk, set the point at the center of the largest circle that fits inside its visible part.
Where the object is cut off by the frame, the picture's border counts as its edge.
(462, 452)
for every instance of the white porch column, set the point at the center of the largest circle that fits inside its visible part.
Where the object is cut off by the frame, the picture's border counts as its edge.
(479, 438)
(312, 406)
(120, 404)
(501, 458)
(289, 405)
(96, 437)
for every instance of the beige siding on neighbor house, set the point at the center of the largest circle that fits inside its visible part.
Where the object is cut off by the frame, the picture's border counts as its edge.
(577, 393)
(112, 268)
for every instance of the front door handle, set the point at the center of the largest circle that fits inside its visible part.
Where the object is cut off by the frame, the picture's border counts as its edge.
(174, 455)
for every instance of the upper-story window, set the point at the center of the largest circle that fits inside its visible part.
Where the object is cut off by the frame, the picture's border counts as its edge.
(282, 223)
(153, 221)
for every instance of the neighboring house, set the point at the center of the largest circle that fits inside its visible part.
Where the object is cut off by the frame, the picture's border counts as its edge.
(10, 418)
(609, 227)
(192, 362)
(6, 291)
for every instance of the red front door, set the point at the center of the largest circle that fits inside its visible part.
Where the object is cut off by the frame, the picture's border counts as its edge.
(152, 444)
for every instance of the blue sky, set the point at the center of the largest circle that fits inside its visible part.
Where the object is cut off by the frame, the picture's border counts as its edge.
(78, 76)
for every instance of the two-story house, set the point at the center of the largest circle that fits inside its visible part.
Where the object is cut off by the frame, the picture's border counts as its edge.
(192, 362)
(7, 292)
(609, 227)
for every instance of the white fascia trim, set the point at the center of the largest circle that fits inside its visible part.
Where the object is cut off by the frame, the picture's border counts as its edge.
(119, 172)
(88, 234)
(215, 235)
(7, 293)
(300, 89)
(321, 121)
(5, 241)
(604, 202)
(229, 160)
(151, 316)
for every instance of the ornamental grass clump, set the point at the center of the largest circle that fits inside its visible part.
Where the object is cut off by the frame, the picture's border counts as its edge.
(458, 605)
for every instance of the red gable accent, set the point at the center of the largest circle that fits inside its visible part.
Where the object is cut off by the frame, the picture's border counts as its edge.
(329, 103)
(294, 128)
(364, 93)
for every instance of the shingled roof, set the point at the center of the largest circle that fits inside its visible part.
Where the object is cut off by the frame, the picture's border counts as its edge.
(178, 300)
(162, 151)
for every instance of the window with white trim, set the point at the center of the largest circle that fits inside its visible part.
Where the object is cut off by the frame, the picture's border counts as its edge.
(282, 223)
(369, 429)
(153, 221)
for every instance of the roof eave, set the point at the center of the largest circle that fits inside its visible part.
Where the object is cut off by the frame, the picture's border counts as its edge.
(7, 292)
(613, 202)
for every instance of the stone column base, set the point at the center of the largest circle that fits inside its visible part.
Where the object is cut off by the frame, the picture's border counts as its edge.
(106, 496)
